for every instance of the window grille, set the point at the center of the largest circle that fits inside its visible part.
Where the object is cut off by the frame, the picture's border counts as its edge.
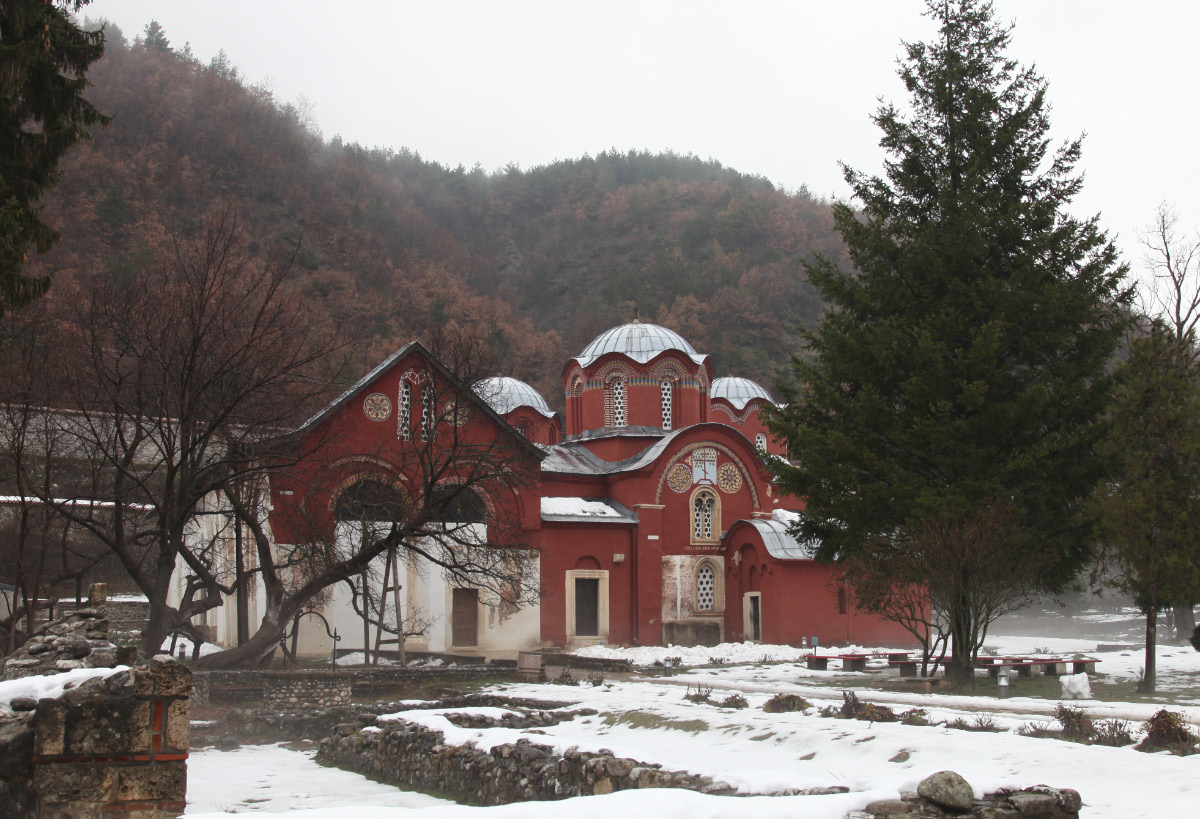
(620, 416)
(427, 413)
(404, 412)
(703, 512)
(666, 388)
(760, 441)
(706, 589)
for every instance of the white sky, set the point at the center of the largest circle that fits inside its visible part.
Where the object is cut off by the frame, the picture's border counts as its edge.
(779, 89)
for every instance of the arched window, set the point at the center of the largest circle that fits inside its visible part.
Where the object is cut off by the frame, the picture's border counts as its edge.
(760, 441)
(667, 389)
(616, 403)
(404, 412)
(369, 500)
(706, 516)
(458, 504)
(427, 413)
(706, 588)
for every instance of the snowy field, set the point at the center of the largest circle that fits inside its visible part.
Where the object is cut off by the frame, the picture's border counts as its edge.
(758, 752)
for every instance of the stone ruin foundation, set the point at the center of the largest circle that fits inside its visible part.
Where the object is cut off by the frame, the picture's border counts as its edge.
(114, 745)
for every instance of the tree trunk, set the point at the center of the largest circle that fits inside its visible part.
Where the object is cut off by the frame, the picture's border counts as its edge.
(1185, 621)
(1147, 684)
(250, 653)
(961, 668)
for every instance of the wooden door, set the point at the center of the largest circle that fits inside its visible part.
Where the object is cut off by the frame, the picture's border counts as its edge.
(587, 606)
(465, 618)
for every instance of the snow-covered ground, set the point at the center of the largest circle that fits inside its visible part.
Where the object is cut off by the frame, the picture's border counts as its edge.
(757, 752)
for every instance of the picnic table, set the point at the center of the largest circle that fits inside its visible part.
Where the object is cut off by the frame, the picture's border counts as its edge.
(850, 662)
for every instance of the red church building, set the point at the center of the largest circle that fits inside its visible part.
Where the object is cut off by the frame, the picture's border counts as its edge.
(653, 516)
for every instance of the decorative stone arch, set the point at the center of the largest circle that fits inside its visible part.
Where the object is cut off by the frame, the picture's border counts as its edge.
(414, 384)
(616, 400)
(668, 368)
(484, 504)
(610, 368)
(684, 452)
(704, 516)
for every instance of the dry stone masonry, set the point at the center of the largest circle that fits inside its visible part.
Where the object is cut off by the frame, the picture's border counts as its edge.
(947, 794)
(289, 691)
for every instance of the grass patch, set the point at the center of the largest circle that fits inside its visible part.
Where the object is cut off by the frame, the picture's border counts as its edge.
(645, 719)
(763, 737)
(783, 703)
(903, 756)
(809, 756)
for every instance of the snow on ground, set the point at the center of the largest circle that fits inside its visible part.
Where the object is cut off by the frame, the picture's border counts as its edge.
(50, 685)
(277, 779)
(648, 719)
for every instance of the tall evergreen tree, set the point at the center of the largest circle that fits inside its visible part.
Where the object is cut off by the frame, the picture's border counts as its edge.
(961, 364)
(1149, 514)
(44, 57)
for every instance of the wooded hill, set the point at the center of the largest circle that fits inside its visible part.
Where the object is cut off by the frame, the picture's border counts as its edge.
(392, 246)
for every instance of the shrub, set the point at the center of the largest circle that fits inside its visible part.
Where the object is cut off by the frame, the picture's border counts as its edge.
(1113, 732)
(566, 677)
(852, 708)
(781, 703)
(595, 679)
(1168, 731)
(1076, 725)
(703, 693)
(915, 716)
(981, 722)
(829, 712)
(734, 701)
(1037, 729)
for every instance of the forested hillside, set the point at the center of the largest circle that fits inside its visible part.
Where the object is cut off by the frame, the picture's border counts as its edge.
(392, 246)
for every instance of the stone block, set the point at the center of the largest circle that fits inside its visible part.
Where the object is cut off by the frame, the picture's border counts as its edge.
(50, 726)
(163, 677)
(177, 731)
(51, 811)
(889, 807)
(947, 789)
(104, 727)
(60, 784)
(1034, 804)
(162, 780)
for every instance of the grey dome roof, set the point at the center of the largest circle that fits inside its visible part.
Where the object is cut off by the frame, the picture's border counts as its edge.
(639, 341)
(504, 394)
(737, 391)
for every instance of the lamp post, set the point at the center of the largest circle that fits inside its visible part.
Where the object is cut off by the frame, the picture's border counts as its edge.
(1002, 681)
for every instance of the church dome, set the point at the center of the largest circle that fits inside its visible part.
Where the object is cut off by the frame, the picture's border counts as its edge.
(638, 341)
(504, 394)
(737, 391)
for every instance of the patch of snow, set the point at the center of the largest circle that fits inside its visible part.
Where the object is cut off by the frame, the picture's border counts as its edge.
(50, 685)
(186, 645)
(1075, 686)
(578, 507)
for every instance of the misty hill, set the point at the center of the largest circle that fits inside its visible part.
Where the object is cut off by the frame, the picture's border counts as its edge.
(391, 245)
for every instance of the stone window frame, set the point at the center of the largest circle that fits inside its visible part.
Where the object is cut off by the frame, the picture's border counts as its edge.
(760, 442)
(695, 517)
(718, 587)
(602, 606)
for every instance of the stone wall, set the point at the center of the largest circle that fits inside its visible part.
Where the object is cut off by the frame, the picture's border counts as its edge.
(249, 685)
(412, 756)
(111, 745)
(946, 793)
(313, 690)
(76, 640)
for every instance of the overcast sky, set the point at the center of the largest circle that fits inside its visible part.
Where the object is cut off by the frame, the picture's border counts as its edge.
(779, 89)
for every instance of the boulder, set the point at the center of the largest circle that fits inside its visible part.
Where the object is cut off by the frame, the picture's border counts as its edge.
(946, 789)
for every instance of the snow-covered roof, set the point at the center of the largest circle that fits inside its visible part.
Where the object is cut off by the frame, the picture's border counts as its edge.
(84, 502)
(504, 394)
(737, 391)
(596, 510)
(639, 341)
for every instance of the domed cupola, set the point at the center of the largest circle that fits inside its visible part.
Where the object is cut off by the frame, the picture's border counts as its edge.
(521, 406)
(738, 391)
(640, 342)
(638, 378)
(736, 402)
(504, 394)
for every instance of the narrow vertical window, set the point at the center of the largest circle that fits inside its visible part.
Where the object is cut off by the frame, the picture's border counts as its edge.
(618, 415)
(427, 413)
(706, 517)
(706, 589)
(404, 412)
(760, 441)
(666, 388)
(841, 601)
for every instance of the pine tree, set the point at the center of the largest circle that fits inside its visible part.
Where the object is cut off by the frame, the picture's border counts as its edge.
(961, 365)
(1149, 514)
(43, 59)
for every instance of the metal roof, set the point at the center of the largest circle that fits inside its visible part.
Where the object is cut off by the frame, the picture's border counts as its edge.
(737, 391)
(504, 394)
(638, 341)
(585, 510)
(781, 545)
